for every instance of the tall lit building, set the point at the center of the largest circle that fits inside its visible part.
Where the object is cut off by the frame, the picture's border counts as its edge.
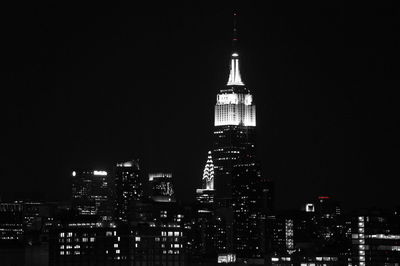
(128, 188)
(238, 181)
(235, 121)
(90, 192)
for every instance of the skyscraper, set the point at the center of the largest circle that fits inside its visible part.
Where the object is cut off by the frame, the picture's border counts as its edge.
(128, 188)
(90, 192)
(238, 181)
(235, 121)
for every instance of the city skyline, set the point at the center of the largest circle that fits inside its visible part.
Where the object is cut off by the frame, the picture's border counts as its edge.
(314, 135)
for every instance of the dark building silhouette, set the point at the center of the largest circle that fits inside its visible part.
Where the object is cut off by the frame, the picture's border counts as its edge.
(157, 243)
(11, 224)
(128, 188)
(158, 234)
(291, 239)
(38, 220)
(248, 212)
(330, 225)
(90, 192)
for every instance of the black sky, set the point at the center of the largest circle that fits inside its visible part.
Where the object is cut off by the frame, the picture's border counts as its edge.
(90, 85)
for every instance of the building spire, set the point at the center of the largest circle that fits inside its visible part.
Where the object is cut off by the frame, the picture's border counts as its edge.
(234, 35)
(234, 74)
(208, 174)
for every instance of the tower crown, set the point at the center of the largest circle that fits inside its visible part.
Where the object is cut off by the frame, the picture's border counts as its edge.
(234, 105)
(208, 174)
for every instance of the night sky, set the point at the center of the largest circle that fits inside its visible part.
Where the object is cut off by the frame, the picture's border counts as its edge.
(86, 86)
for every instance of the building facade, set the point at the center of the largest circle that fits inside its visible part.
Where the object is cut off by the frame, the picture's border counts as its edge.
(90, 192)
(161, 187)
(128, 188)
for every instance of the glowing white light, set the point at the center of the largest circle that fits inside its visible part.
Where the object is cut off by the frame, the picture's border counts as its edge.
(361, 236)
(159, 175)
(208, 173)
(129, 164)
(248, 99)
(235, 109)
(226, 258)
(96, 172)
(382, 236)
(234, 74)
(73, 173)
(310, 207)
(231, 98)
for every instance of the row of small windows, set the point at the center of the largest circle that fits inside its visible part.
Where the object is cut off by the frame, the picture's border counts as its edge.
(170, 233)
(84, 240)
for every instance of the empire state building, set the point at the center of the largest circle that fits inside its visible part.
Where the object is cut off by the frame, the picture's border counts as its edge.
(235, 122)
(238, 183)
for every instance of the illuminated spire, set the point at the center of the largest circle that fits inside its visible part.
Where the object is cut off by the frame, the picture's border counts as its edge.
(208, 174)
(234, 74)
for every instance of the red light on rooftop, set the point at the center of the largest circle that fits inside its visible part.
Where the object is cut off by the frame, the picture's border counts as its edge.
(323, 197)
